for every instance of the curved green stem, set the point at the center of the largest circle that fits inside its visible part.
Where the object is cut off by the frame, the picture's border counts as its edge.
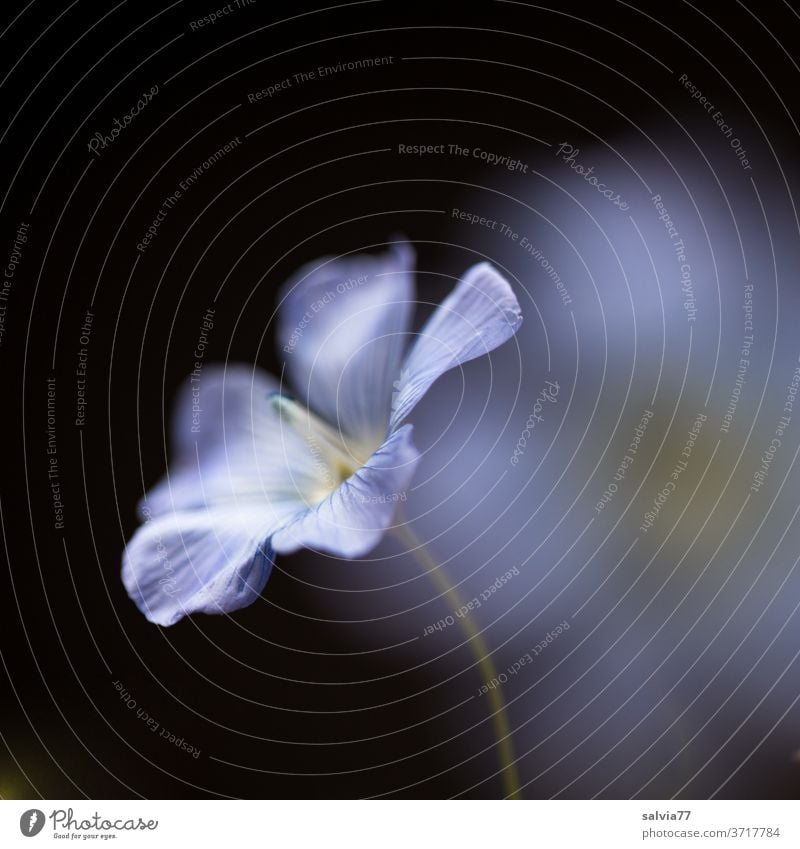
(479, 649)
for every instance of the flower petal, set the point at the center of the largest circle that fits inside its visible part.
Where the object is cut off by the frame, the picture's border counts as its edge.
(230, 447)
(351, 520)
(480, 314)
(206, 561)
(218, 404)
(343, 322)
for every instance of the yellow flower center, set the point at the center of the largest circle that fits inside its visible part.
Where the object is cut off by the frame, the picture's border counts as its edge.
(335, 456)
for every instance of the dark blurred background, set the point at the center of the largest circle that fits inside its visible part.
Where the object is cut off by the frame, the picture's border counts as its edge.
(679, 673)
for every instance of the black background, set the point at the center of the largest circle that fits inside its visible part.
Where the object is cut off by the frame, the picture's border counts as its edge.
(282, 700)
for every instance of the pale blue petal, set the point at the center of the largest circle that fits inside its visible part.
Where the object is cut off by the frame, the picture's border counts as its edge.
(218, 404)
(234, 450)
(352, 520)
(480, 314)
(236, 476)
(342, 332)
(203, 561)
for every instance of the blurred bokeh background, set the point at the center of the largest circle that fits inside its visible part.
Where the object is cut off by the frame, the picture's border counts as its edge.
(645, 214)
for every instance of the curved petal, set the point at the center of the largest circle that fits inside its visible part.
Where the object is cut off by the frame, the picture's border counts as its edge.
(343, 322)
(218, 404)
(230, 447)
(480, 314)
(206, 561)
(351, 520)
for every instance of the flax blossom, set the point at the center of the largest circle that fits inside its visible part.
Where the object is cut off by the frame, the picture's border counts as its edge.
(257, 472)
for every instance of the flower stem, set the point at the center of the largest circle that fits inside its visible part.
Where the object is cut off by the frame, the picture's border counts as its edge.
(480, 652)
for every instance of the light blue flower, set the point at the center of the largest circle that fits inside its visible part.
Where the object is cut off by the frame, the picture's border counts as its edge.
(256, 472)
